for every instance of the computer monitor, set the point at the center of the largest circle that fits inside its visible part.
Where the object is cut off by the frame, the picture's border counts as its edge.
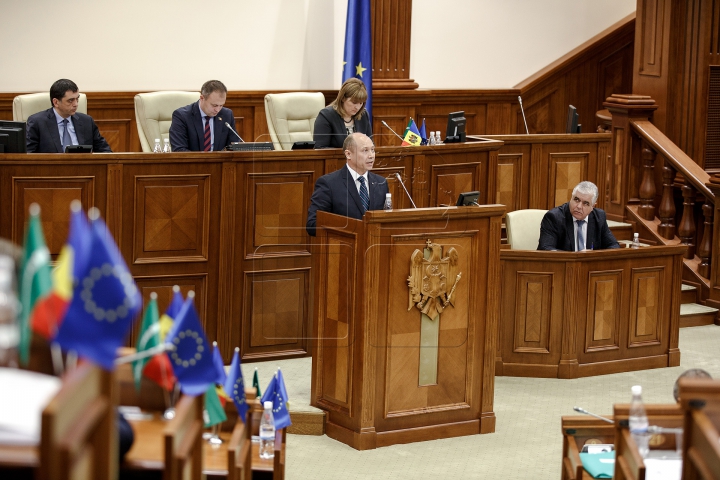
(455, 127)
(468, 198)
(12, 137)
(572, 125)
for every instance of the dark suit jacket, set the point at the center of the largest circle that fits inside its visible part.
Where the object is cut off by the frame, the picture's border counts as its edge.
(43, 135)
(557, 231)
(336, 193)
(330, 132)
(187, 133)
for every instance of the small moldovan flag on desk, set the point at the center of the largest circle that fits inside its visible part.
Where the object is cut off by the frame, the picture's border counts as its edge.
(35, 278)
(277, 394)
(412, 135)
(213, 412)
(104, 304)
(157, 368)
(191, 358)
(171, 312)
(235, 385)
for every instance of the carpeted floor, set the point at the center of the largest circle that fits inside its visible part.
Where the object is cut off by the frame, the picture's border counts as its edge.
(526, 444)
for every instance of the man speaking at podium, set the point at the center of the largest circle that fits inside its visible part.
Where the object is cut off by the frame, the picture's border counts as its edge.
(353, 189)
(577, 225)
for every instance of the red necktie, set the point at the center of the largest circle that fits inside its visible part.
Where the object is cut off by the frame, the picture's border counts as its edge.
(208, 143)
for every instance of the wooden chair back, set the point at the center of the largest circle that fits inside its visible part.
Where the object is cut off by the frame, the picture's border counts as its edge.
(700, 400)
(239, 451)
(577, 431)
(255, 413)
(183, 441)
(78, 437)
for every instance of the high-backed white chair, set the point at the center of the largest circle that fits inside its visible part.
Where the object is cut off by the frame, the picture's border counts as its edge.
(291, 117)
(26, 105)
(523, 228)
(153, 113)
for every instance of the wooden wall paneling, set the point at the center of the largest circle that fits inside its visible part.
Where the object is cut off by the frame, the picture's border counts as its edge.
(509, 186)
(391, 22)
(397, 117)
(114, 214)
(228, 333)
(116, 133)
(646, 304)
(448, 181)
(114, 114)
(387, 165)
(567, 169)
(602, 331)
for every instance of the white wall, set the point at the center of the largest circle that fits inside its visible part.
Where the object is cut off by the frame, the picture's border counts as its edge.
(278, 44)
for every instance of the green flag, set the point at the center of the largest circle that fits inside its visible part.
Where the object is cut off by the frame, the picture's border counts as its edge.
(256, 384)
(35, 277)
(214, 412)
(149, 337)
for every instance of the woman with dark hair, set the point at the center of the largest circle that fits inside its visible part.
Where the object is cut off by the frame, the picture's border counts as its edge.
(344, 116)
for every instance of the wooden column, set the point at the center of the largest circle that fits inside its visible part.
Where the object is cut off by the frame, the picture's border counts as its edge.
(666, 212)
(624, 109)
(391, 21)
(647, 187)
(686, 229)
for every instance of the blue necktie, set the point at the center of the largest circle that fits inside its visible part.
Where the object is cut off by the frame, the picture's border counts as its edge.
(580, 239)
(364, 197)
(66, 140)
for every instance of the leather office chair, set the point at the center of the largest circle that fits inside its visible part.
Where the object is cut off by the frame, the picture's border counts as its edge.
(26, 105)
(523, 228)
(291, 117)
(153, 113)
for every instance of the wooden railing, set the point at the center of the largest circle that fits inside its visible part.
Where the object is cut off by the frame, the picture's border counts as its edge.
(665, 192)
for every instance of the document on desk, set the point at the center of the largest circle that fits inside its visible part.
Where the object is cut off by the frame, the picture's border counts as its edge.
(663, 468)
(23, 397)
(599, 465)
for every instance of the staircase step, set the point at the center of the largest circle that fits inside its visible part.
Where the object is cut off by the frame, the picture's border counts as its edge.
(695, 315)
(307, 422)
(689, 294)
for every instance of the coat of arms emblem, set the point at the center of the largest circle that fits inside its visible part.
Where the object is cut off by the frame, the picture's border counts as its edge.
(432, 279)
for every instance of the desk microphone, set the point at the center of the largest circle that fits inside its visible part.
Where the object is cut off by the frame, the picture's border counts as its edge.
(388, 127)
(403, 185)
(233, 130)
(582, 410)
(523, 112)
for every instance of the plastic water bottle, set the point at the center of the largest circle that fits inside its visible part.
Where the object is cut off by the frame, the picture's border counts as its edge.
(636, 240)
(438, 138)
(431, 140)
(639, 422)
(388, 202)
(157, 148)
(166, 146)
(9, 328)
(267, 432)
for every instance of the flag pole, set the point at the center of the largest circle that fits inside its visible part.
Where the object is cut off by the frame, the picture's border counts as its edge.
(165, 347)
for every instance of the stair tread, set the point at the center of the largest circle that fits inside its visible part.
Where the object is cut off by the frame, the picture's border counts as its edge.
(614, 224)
(695, 309)
(684, 287)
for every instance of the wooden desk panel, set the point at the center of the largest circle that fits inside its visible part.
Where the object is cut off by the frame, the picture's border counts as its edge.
(569, 315)
(229, 225)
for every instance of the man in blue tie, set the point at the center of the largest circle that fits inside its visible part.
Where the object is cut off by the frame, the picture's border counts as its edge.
(353, 189)
(51, 130)
(577, 225)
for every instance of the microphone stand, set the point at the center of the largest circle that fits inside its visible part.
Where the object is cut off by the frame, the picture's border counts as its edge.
(406, 192)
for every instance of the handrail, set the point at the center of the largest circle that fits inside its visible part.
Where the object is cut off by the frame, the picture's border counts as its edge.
(673, 154)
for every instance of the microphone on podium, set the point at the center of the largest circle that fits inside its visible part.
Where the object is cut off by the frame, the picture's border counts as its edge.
(233, 130)
(403, 185)
(582, 410)
(393, 131)
(523, 112)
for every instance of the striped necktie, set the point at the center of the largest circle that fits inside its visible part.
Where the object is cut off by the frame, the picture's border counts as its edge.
(66, 140)
(207, 144)
(364, 196)
(580, 238)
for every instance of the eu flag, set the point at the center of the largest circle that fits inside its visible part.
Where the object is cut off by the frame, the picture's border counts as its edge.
(235, 385)
(219, 365)
(358, 47)
(192, 359)
(105, 301)
(277, 394)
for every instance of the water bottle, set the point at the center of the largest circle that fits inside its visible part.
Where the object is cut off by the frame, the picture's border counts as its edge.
(636, 240)
(639, 422)
(9, 328)
(166, 146)
(157, 148)
(267, 432)
(431, 140)
(388, 202)
(438, 138)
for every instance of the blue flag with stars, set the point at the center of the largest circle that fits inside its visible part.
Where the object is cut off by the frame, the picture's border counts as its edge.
(192, 358)
(235, 385)
(277, 394)
(104, 304)
(219, 365)
(358, 47)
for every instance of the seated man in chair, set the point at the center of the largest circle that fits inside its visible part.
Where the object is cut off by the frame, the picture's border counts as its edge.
(577, 225)
(51, 130)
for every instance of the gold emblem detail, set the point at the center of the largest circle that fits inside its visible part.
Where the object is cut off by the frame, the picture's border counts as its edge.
(432, 281)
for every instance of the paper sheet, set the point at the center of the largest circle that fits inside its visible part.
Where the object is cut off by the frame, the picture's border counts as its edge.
(23, 397)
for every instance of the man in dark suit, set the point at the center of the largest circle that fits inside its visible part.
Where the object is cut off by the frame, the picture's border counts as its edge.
(353, 189)
(200, 126)
(577, 225)
(51, 130)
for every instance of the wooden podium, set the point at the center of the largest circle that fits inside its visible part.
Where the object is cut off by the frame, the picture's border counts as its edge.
(384, 371)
